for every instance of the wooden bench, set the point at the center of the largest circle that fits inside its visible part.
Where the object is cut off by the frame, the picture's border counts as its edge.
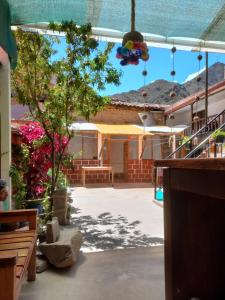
(17, 253)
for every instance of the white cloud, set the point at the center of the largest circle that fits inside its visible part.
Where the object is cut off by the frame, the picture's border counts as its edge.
(193, 75)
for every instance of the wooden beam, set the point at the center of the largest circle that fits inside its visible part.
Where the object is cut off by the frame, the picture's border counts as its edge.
(192, 163)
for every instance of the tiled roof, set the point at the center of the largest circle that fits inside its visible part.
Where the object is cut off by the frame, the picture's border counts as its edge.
(150, 106)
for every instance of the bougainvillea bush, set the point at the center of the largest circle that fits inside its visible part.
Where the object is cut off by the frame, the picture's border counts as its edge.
(39, 162)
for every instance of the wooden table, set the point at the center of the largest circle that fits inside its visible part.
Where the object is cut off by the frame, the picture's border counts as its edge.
(97, 168)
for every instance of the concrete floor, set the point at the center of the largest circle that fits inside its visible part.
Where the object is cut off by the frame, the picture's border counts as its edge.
(118, 217)
(132, 274)
(122, 217)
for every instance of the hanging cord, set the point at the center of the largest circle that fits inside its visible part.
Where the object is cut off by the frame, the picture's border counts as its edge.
(132, 15)
(199, 77)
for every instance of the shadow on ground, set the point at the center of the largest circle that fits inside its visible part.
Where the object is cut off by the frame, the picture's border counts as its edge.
(107, 232)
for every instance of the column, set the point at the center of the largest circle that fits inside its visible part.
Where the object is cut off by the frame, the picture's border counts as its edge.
(5, 118)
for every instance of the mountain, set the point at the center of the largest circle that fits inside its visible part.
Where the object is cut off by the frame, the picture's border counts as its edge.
(159, 91)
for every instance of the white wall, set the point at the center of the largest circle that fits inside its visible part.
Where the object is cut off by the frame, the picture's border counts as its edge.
(117, 153)
(157, 151)
(133, 148)
(147, 154)
(83, 147)
(216, 104)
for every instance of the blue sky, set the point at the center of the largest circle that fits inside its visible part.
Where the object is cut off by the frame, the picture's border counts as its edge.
(158, 66)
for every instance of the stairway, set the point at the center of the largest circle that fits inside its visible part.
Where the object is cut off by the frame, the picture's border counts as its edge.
(198, 145)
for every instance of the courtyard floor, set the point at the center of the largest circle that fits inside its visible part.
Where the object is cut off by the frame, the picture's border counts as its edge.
(124, 221)
(118, 217)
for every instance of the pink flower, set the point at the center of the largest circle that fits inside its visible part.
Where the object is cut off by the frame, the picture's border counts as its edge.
(39, 189)
(32, 131)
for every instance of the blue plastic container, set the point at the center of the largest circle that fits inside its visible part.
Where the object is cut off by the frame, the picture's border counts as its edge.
(159, 194)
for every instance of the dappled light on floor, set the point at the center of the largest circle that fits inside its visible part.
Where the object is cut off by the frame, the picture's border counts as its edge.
(108, 232)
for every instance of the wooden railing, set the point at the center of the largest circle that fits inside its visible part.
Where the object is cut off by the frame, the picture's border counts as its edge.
(196, 125)
(200, 135)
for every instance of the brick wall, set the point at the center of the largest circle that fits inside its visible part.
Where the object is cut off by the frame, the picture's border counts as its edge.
(139, 170)
(73, 173)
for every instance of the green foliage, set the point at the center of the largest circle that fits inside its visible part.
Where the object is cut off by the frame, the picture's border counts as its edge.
(218, 133)
(185, 140)
(56, 91)
(61, 182)
(19, 196)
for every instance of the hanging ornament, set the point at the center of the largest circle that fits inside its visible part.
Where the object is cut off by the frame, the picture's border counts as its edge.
(144, 73)
(144, 94)
(173, 94)
(171, 117)
(199, 57)
(133, 45)
(196, 118)
(195, 141)
(173, 72)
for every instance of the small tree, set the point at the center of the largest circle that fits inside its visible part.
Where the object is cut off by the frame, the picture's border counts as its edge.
(57, 90)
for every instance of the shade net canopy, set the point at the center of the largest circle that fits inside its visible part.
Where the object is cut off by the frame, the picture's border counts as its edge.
(191, 24)
(160, 20)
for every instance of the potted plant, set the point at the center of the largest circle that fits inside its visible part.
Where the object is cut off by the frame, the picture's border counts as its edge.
(219, 136)
(186, 141)
(60, 200)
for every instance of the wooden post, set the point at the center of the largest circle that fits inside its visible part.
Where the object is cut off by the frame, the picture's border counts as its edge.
(100, 148)
(206, 85)
(174, 145)
(5, 113)
(140, 146)
(108, 149)
(192, 113)
(8, 276)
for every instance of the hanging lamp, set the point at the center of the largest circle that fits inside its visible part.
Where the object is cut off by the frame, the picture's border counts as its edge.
(133, 45)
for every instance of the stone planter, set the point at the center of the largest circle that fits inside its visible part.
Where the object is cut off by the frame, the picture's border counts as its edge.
(60, 206)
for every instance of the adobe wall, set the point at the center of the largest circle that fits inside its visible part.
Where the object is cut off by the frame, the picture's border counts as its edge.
(113, 115)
